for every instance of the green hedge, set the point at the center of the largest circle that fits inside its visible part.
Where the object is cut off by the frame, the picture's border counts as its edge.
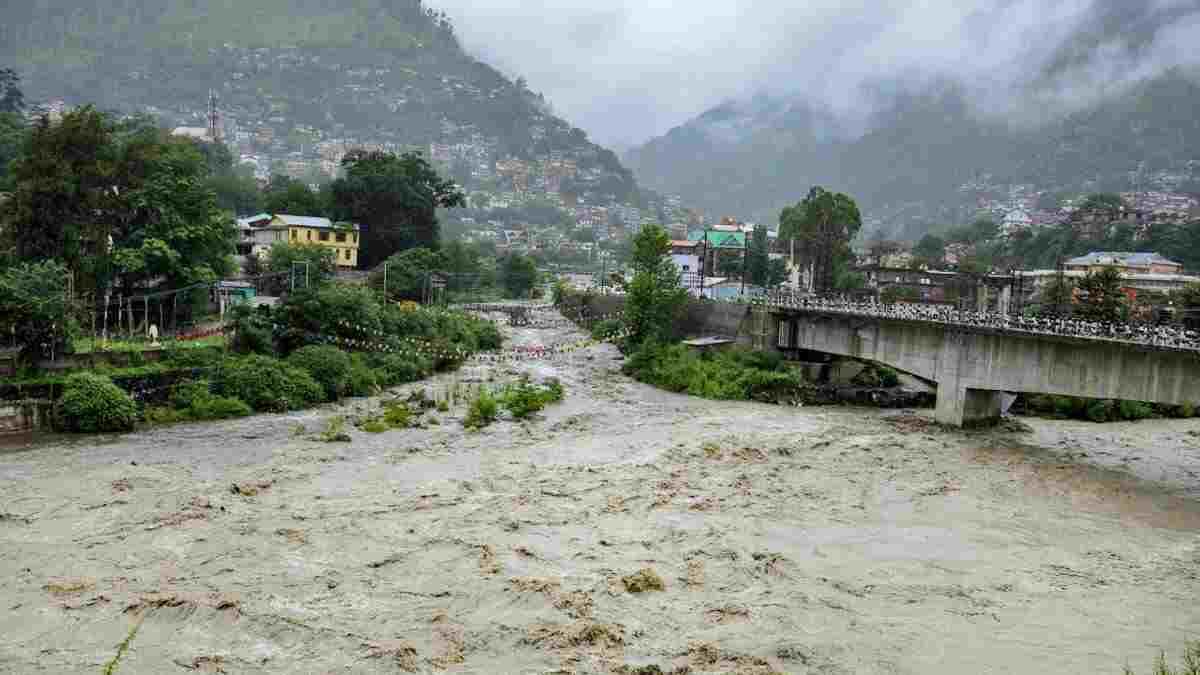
(91, 403)
(329, 366)
(269, 385)
(736, 374)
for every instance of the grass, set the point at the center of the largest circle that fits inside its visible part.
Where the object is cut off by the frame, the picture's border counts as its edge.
(483, 410)
(92, 345)
(1191, 663)
(110, 668)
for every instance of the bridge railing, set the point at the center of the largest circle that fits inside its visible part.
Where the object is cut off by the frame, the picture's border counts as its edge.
(1170, 337)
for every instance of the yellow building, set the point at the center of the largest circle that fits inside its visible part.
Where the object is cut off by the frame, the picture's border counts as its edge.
(343, 238)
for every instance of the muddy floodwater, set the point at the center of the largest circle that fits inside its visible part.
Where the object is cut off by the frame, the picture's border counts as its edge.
(786, 540)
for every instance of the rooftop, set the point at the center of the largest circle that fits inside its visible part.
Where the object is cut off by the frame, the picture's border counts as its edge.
(307, 221)
(1122, 258)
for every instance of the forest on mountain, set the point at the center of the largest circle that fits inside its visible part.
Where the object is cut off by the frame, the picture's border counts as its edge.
(373, 70)
(917, 152)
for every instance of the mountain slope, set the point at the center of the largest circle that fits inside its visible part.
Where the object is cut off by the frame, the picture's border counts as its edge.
(385, 71)
(906, 168)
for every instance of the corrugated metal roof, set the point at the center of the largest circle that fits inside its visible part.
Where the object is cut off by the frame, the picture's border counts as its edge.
(310, 221)
(1121, 258)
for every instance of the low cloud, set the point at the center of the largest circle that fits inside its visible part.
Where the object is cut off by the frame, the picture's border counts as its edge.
(632, 69)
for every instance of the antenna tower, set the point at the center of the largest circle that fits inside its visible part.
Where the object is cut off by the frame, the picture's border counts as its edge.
(214, 117)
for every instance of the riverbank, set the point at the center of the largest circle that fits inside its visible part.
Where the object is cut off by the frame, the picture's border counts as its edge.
(810, 540)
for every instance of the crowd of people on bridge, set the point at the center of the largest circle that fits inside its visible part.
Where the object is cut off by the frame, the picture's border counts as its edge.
(1174, 337)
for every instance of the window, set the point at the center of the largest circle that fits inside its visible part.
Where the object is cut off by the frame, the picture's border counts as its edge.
(347, 254)
(323, 236)
(309, 234)
(341, 237)
(293, 235)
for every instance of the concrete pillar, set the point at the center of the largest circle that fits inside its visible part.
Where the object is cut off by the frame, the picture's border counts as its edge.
(981, 298)
(962, 407)
(1005, 299)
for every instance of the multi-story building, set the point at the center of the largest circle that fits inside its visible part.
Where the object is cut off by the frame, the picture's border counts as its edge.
(343, 238)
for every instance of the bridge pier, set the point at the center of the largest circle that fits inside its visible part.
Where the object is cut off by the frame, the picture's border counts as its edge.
(960, 406)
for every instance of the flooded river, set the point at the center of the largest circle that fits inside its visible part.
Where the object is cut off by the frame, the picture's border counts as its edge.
(787, 540)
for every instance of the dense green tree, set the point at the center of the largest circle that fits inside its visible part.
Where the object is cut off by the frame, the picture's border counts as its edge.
(283, 257)
(822, 226)
(169, 226)
(1102, 298)
(654, 297)
(34, 308)
(519, 275)
(1056, 298)
(777, 272)
(62, 187)
(12, 100)
(290, 196)
(118, 203)
(395, 198)
(237, 192)
(407, 273)
(12, 135)
(931, 250)
(758, 257)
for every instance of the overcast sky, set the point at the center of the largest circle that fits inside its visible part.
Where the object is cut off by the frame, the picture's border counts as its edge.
(626, 70)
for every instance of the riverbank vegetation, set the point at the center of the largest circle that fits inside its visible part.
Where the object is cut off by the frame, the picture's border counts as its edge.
(319, 346)
(1101, 410)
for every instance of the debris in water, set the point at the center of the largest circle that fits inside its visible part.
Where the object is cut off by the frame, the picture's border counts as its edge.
(642, 581)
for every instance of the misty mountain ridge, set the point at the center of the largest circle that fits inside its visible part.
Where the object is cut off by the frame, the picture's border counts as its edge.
(906, 161)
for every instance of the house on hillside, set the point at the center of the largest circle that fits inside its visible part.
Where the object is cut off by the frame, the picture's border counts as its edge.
(343, 238)
(1126, 263)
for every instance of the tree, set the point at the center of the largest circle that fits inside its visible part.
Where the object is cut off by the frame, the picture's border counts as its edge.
(313, 262)
(62, 183)
(1102, 298)
(823, 226)
(407, 275)
(931, 250)
(758, 257)
(777, 272)
(654, 296)
(117, 203)
(1057, 297)
(396, 198)
(33, 308)
(169, 226)
(11, 98)
(519, 275)
(290, 196)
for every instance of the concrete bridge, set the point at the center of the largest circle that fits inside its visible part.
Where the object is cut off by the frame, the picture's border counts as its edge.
(974, 364)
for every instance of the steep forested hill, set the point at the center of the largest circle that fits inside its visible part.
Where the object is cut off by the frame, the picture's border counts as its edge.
(379, 70)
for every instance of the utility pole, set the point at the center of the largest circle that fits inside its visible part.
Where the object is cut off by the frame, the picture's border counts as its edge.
(704, 263)
(744, 252)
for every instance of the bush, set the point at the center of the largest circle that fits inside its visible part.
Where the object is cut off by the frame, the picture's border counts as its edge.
(482, 412)
(91, 403)
(362, 380)
(1100, 411)
(526, 399)
(184, 395)
(329, 366)
(218, 408)
(195, 358)
(607, 329)
(736, 375)
(1134, 410)
(269, 385)
(1186, 411)
(252, 331)
(397, 416)
(888, 377)
(395, 369)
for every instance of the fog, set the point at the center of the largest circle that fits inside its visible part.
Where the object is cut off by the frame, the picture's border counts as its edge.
(631, 69)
